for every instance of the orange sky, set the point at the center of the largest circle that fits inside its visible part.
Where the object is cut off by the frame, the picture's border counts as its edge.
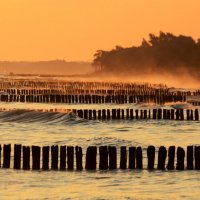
(75, 29)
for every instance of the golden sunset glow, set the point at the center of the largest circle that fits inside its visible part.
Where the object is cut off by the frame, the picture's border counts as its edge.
(75, 29)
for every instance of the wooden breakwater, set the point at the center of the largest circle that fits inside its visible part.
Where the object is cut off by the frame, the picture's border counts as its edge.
(90, 92)
(69, 157)
(130, 114)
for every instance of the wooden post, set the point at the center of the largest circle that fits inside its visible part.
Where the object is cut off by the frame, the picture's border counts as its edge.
(127, 113)
(151, 157)
(108, 114)
(180, 158)
(191, 115)
(159, 113)
(164, 114)
(26, 157)
(94, 114)
(122, 114)
(162, 154)
(54, 157)
(79, 156)
(91, 155)
(45, 157)
(136, 114)
(196, 113)
(181, 114)
(149, 114)
(171, 155)
(145, 114)
(131, 114)
(132, 152)
(168, 114)
(85, 114)
(177, 114)
(154, 113)
(90, 114)
(17, 156)
(113, 113)
(103, 114)
(112, 151)
(197, 157)
(139, 157)
(123, 157)
(172, 114)
(63, 157)
(35, 157)
(103, 157)
(188, 114)
(6, 155)
(190, 157)
(118, 114)
(99, 115)
(70, 157)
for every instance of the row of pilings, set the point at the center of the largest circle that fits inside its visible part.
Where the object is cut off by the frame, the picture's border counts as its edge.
(69, 157)
(130, 114)
(95, 99)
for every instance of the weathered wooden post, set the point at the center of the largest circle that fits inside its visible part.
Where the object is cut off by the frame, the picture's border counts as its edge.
(26, 157)
(91, 155)
(123, 157)
(127, 113)
(35, 157)
(196, 113)
(79, 156)
(103, 157)
(70, 157)
(54, 157)
(132, 153)
(171, 156)
(85, 114)
(103, 114)
(45, 157)
(94, 114)
(17, 156)
(181, 114)
(136, 114)
(90, 114)
(197, 157)
(112, 152)
(113, 113)
(190, 157)
(108, 114)
(63, 157)
(131, 114)
(162, 154)
(159, 113)
(154, 113)
(151, 157)
(172, 114)
(6, 155)
(180, 158)
(139, 157)
(118, 114)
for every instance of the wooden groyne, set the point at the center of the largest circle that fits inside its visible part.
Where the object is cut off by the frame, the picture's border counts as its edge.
(130, 114)
(91, 92)
(102, 158)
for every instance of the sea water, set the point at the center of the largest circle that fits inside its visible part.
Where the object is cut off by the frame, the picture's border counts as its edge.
(27, 126)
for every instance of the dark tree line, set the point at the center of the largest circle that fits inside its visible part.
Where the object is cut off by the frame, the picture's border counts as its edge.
(163, 53)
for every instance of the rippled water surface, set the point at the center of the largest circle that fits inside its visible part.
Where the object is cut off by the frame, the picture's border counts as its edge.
(30, 127)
